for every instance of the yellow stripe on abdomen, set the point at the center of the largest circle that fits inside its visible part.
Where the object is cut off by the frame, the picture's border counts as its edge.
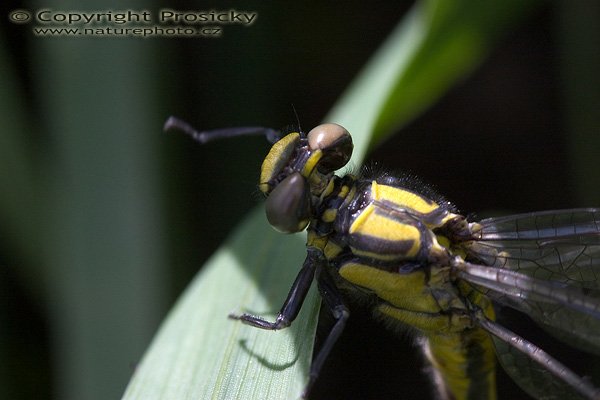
(465, 362)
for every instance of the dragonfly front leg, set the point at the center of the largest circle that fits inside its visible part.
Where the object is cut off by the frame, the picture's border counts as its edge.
(295, 298)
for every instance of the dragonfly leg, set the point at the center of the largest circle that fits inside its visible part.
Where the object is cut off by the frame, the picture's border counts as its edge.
(293, 303)
(335, 303)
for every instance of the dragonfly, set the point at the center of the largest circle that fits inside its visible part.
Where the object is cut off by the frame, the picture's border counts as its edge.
(423, 268)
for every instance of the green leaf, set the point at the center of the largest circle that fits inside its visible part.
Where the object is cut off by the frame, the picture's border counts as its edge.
(18, 167)
(199, 353)
(437, 44)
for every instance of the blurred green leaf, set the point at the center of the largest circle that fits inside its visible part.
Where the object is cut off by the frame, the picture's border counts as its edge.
(438, 43)
(198, 353)
(18, 167)
(102, 251)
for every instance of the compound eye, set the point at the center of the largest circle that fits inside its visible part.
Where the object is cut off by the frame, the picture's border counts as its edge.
(278, 158)
(288, 205)
(336, 144)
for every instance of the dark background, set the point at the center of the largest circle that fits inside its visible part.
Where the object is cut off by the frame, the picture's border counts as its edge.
(515, 136)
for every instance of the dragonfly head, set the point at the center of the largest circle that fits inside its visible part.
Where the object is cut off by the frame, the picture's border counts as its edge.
(297, 167)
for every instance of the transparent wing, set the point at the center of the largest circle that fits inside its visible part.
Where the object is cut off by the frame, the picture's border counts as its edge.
(562, 246)
(547, 265)
(560, 252)
(536, 378)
